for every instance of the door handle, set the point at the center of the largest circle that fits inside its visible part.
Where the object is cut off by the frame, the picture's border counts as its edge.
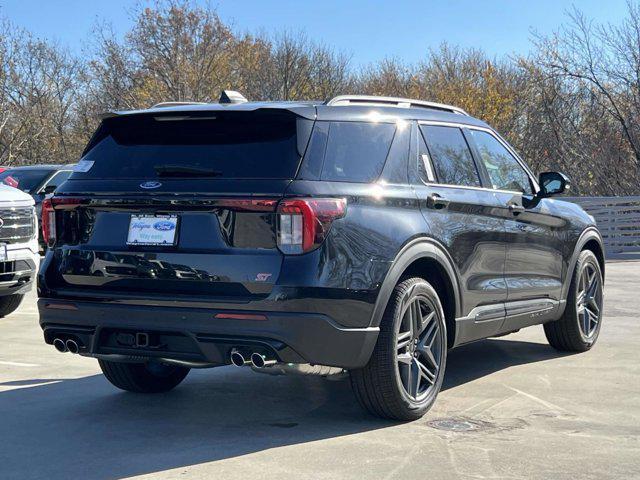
(516, 209)
(437, 202)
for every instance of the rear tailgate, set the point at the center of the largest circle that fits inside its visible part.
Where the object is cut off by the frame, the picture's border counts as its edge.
(207, 193)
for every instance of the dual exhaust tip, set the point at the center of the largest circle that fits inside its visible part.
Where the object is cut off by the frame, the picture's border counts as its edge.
(257, 360)
(69, 345)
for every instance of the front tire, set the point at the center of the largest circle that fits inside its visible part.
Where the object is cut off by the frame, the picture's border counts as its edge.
(405, 371)
(578, 328)
(143, 377)
(9, 304)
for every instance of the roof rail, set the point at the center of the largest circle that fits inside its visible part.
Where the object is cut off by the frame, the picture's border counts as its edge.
(175, 104)
(392, 102)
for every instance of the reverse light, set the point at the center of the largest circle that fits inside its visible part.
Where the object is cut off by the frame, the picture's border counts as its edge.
(303, 223)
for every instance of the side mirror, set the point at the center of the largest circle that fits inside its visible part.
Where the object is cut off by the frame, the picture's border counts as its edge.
(553, 183)
(49, 189)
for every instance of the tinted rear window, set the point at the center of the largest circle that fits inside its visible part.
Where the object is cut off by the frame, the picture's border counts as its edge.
(221, 144)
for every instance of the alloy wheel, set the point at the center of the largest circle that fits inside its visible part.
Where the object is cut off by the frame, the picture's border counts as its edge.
(589, 300)
(419, 347)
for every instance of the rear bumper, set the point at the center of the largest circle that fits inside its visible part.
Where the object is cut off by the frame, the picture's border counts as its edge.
(195, 334)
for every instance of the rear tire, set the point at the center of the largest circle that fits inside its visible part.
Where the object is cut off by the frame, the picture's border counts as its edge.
(143, 377)
(9, 304)
(578, 328)
(405, 371)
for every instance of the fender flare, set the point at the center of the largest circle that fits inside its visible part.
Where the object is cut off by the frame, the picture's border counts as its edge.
(588, 234)
(412, 251)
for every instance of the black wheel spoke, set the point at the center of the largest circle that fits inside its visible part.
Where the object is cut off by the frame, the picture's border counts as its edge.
(416, 316)
(405, 358)
(427, 374)
(404, 339)
(414, 379)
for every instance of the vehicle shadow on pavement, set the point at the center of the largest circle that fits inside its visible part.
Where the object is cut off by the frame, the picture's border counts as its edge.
(475, 360)
(85, 428)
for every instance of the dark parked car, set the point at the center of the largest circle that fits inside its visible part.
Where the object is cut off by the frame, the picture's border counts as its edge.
(39, 181)
(364, 234)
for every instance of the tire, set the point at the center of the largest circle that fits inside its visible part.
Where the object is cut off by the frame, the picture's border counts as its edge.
(9, 304)
(143, 377)
(385, 386)
(569, 333)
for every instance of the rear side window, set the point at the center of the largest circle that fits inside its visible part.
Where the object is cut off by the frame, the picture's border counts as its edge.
(195, 144)
(356, 151)
(451, 156)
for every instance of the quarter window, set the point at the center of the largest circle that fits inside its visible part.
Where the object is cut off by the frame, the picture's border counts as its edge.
(450, 155)
(504, 170)
(356, 152)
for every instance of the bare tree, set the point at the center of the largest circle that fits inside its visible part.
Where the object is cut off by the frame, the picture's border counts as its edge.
(604, 59)
(38, 82)
(572, 105)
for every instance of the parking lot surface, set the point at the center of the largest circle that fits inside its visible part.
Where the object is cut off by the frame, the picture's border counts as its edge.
(511, 408)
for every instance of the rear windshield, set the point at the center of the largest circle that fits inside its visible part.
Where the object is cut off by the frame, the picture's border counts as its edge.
(203, 144)
(25, 180)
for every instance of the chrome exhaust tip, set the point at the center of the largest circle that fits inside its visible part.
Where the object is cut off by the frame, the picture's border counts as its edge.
(261, 361)
(72, 346)
(59, 345)
(238, 359)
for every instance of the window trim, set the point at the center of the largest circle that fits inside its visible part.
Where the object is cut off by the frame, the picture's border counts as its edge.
(497, 136)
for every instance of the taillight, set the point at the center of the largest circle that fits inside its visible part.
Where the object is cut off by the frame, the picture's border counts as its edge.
(303, 223)
(48, 219)
(48, 222)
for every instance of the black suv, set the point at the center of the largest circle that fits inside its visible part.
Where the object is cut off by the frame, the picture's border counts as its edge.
(364, 234)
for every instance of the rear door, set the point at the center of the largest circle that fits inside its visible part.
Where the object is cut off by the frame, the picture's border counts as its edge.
(463, 215)
(534, 235)
(176, 208)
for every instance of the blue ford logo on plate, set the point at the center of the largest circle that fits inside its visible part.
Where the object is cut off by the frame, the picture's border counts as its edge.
(164, 226)
(149, 185)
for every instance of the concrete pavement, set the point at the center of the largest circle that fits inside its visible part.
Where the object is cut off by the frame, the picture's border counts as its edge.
(511, 408)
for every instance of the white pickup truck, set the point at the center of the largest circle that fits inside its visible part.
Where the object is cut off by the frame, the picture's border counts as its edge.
(19, 257)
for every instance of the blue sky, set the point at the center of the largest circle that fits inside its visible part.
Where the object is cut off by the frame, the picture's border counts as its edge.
(367, 30)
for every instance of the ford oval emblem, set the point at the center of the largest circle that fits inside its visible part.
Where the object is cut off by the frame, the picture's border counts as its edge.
(149, 185)
(164, 226)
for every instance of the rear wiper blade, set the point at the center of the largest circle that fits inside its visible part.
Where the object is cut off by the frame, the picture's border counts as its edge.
(185, 171)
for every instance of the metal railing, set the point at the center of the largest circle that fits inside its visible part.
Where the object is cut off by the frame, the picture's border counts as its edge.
(618, 220)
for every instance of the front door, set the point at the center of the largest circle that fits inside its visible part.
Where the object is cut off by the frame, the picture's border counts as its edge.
(533, 236)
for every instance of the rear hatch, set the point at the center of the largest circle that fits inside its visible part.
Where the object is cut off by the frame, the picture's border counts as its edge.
(177, 207)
